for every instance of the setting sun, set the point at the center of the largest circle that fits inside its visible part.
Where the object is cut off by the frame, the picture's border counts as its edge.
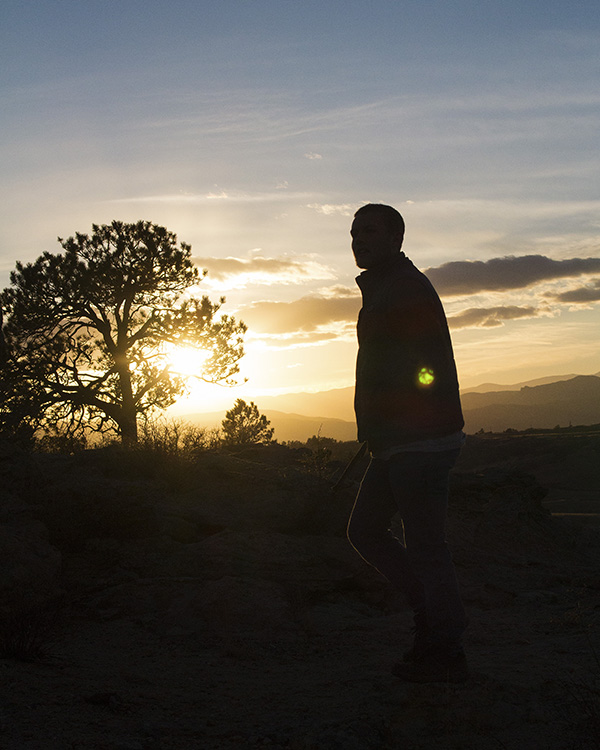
(187, 360)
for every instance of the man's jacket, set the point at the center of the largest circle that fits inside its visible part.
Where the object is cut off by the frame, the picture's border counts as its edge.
(406, 381)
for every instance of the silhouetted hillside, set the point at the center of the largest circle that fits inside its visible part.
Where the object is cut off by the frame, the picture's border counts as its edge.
(487, 387)
(338, 403)
(575, 401)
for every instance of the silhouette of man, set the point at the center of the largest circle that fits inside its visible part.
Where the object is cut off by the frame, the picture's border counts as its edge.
(408, 410)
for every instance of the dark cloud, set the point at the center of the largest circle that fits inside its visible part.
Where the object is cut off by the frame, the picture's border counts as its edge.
(501, 274)
(304, 314)
(490, 317)
(582, 294)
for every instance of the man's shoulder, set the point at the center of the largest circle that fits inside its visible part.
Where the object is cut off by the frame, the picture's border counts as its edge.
(398, 280)
(408, 279)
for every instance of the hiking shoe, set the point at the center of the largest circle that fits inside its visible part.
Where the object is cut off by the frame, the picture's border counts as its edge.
(420, 647)
(420, 632)
(433, 668)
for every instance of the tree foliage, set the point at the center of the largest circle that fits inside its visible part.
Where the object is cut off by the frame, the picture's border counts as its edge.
(86, 332)
(245, 425)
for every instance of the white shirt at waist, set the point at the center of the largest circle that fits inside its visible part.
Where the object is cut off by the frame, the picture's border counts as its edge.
(432, 445)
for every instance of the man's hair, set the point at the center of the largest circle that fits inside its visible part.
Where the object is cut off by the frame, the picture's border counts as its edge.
(392, 218)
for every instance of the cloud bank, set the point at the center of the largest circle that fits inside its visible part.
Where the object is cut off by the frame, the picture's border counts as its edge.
(332, 313)
(503, 274)
(302, 315)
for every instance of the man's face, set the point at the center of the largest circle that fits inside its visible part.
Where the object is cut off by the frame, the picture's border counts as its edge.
(373, 242)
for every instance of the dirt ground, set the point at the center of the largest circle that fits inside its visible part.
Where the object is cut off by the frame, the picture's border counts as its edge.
(238, 625)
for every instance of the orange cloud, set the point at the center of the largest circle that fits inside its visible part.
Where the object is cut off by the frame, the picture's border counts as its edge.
(305, 314)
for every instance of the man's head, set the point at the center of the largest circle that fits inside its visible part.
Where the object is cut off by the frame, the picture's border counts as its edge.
(377, 234)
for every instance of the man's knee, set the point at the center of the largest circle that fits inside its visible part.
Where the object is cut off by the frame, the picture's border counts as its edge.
(430, 559)
(365, 537)
(353, 533)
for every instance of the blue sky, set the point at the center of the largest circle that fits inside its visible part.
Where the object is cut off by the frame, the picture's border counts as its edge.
(254, 129)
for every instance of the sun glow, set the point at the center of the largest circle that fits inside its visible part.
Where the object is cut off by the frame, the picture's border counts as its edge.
(187, 360)
(257, 376)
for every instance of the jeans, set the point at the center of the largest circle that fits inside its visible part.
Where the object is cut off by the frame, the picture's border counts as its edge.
(414, 485)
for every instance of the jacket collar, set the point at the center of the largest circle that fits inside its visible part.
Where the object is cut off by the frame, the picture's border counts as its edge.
(372, 277)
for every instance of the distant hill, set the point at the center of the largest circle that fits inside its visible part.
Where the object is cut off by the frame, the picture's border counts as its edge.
(487, 387)
(574, 401)
(560, 402)
(288, 426)
(338, 403)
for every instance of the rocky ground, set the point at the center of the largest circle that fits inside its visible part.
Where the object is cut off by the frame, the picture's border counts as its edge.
(215, 604)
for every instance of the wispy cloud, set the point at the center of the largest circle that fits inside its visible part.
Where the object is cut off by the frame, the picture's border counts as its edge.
(236, 114)
(259, 270)
(299, 339)
(491, 317)
(345, 209)
(503, 274)
(219, 195)
(276, 118)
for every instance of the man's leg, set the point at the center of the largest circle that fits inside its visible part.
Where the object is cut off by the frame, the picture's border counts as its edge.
(419, 483)
(370, 535)
(420, 486)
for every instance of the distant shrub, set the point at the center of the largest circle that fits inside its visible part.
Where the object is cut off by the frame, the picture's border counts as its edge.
(324, 456)
(244, 425)
(318, 456)
(317, 442)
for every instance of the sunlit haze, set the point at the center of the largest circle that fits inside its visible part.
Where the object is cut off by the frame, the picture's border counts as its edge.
(254, 130)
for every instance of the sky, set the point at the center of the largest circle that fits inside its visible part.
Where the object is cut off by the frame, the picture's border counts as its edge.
(254, 129)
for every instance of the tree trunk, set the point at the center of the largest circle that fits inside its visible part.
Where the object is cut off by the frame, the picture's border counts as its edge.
(128, 418)
(128, 427)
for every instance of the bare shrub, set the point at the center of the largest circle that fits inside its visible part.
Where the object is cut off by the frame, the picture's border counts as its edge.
(59, 439)
(176, 437)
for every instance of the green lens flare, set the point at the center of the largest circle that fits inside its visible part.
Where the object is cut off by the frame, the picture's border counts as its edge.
(425, 376)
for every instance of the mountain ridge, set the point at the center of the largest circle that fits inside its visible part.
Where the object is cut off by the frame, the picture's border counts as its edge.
(338, 403)
(560, 402)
